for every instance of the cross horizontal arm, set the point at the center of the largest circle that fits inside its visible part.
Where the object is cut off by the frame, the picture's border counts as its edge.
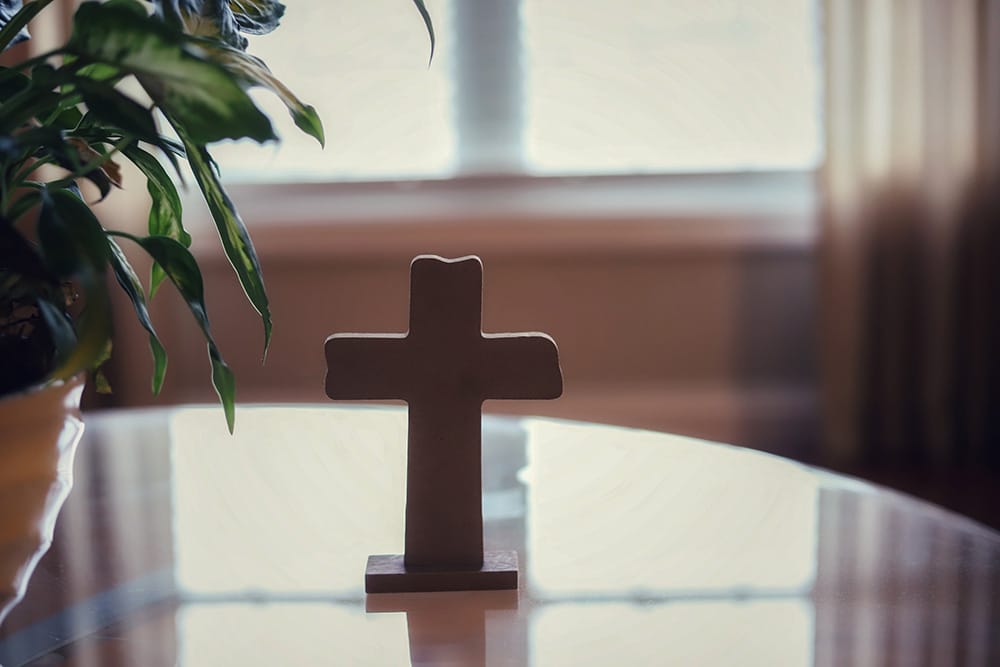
(367, 366)
(520, 365)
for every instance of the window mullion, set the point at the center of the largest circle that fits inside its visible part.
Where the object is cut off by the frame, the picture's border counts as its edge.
(488, 75)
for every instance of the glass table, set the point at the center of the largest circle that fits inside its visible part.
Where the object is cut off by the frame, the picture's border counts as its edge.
(182, 545)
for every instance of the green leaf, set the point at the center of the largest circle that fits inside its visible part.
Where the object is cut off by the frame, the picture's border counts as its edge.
(213, 19)
(110, 106)
(136, 8)
(83, 158)
(182, 269)
(74, 248)
(428, 23)
(100, 379)
(15, 21)
(257, 17)
(60, 327)
(101, 384)
(165, 212)
(165, 218)
(71, 238)
(200, 95)
(156, 277)
(235, 240)
(12, 82)
(93, 331)
(225, 386)
(66, 119)
(23, 204)
(171, 148)
(102, 72)
(42, 98)
(254, 72)
(20, 257)
(24, 106)
(129, 282)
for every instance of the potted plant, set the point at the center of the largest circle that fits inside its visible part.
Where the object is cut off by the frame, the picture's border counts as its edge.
(154, 83)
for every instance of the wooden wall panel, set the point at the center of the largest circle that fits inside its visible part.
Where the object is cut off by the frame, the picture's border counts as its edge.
(711, 340)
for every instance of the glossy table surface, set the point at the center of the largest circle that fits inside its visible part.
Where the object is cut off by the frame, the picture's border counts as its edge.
(182, 545)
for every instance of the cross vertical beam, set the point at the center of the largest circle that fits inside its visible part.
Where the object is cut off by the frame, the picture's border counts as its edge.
(444, 488)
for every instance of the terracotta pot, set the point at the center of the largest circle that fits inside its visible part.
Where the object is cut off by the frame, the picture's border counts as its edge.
(39, 431)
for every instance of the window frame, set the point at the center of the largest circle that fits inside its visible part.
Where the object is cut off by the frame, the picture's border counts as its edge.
(558, 216)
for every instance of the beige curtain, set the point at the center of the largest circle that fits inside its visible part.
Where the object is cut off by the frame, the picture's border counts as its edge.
(910, 239)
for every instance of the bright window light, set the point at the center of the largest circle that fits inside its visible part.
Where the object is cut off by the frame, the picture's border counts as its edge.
(754, 533)
(287, 507)
(363, 65)
(753, 633)
(315, 633)
(642, 86)
(541, 87)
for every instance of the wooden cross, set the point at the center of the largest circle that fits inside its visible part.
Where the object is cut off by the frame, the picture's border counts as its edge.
(444, 367)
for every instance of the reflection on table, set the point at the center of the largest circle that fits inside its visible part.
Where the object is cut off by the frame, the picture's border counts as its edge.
(182, 545)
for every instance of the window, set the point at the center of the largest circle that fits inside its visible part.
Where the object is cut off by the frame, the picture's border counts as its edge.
(543, 87)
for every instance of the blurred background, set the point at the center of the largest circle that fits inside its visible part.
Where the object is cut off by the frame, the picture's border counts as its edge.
(765, 222)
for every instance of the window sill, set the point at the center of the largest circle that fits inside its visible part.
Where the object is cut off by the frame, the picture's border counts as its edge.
(564, 215)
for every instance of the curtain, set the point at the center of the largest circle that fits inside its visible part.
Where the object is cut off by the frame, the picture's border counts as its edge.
(910, 245)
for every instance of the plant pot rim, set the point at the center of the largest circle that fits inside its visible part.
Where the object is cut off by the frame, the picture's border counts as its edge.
(42, 387)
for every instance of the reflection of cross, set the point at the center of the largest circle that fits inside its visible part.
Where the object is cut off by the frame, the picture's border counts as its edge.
(452, 629)
(444, 368)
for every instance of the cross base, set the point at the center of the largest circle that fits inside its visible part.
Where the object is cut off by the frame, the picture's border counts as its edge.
(388, 574)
